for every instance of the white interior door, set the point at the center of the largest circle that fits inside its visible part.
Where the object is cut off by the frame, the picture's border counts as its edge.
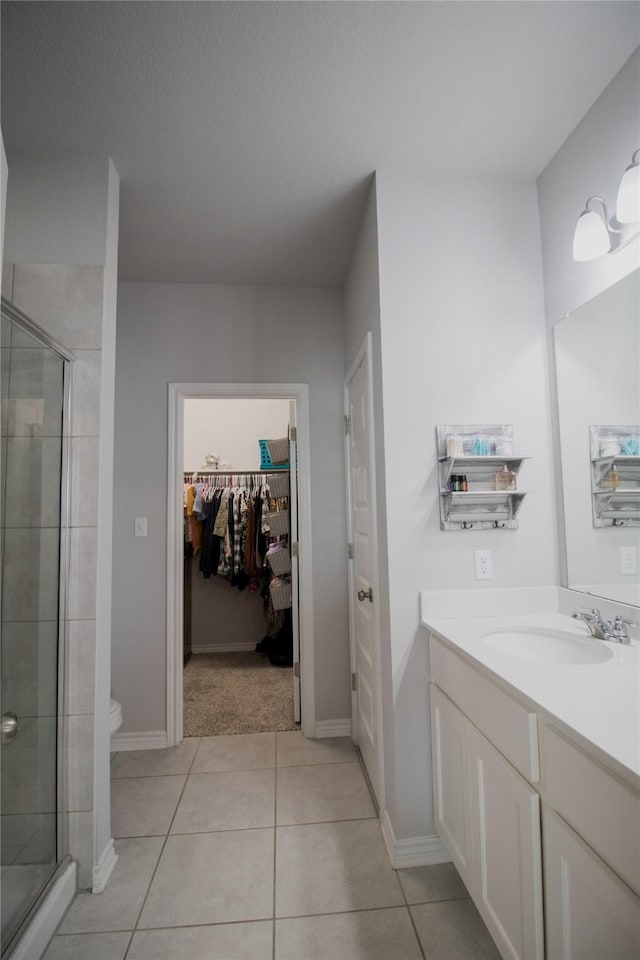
(293, 518)
(363, 603)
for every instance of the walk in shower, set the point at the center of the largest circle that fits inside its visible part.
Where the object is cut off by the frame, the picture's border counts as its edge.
(35, 402)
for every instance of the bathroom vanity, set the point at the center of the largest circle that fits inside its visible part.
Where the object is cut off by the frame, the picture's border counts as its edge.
(536, 768)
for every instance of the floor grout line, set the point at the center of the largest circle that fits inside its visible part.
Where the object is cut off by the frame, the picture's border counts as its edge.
(268, 826)
(162, 849)
(91, 933)
(267, 919)
(411, 918)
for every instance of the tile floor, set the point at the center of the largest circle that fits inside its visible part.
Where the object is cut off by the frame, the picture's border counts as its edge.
(261, 847)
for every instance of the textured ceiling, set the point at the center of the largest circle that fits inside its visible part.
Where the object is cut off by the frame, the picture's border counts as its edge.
(245, 134)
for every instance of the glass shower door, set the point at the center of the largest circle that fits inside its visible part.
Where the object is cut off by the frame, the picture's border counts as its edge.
(32, 380)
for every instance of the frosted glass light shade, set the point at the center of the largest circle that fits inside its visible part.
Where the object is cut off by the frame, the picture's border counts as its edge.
(628, 203)
(591, 238)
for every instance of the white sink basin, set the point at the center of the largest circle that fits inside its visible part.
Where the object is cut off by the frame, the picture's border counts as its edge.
(549, 646)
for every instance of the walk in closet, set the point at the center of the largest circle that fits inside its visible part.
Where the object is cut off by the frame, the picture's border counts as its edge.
(238, 593)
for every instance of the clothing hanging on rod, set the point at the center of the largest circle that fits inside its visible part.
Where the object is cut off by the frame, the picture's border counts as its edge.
(233, 521)
(224, 523)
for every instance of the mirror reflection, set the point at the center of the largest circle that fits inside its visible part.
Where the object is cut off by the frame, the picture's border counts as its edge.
(597, 351)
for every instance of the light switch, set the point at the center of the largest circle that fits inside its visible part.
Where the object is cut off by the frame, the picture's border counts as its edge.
(140, 526)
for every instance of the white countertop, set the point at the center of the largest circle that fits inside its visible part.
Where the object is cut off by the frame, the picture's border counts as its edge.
(598, 703)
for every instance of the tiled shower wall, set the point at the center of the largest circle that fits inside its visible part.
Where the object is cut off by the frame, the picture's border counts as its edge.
(67, 302)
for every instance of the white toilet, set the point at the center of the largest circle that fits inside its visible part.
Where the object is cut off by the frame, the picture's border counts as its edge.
(115, 717)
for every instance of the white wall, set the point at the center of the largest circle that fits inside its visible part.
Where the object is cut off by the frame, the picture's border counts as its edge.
(231, 429)
(222, 617)
(57, 206)
(463, 341)
(590, 162)
(223, 334)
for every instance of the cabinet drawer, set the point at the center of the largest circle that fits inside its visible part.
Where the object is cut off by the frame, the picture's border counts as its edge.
(505, 722)
(599, 806)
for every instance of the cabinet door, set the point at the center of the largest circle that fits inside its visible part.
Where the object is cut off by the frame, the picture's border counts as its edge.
(590, 912)
(507, 876)
(451, 781)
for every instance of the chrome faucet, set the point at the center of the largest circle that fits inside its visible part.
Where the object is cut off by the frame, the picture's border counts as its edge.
(614, 630)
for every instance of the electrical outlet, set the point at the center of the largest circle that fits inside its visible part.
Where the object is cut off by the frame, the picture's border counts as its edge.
(628, 561)
(484, 567)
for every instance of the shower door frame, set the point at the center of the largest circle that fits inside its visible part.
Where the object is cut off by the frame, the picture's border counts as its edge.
(63, 860)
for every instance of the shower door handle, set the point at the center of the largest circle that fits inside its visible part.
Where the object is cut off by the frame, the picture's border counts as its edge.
(9, 727)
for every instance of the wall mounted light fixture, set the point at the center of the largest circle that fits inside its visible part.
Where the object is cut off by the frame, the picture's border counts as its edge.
(595, 235)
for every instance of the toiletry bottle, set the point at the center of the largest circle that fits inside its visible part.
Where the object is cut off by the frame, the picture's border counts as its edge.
(614, 477)
(505, 479)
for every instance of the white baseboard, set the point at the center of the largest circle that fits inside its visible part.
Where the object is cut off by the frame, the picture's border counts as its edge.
(333, 728)
(239, 647)
(102, 869)
(143, 740)
(34, 940)
(412, 851)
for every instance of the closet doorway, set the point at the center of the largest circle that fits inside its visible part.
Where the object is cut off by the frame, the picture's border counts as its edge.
(213, 437)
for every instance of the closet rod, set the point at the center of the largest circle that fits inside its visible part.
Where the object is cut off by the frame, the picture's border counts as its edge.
(229, 473)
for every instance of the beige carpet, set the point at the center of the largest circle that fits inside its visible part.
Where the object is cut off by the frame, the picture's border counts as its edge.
(236, 693)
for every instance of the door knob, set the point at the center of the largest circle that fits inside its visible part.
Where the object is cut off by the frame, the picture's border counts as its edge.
(8, 727)
(366, 595)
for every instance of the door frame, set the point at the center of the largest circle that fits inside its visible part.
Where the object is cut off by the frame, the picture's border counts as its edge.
(364, 355)
(178, 393)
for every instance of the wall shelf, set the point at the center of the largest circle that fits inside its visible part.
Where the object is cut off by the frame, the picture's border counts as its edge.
(480, 506)
(615, 506)
(490, 508)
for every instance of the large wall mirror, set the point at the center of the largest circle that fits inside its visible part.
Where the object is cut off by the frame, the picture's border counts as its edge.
(597, 350)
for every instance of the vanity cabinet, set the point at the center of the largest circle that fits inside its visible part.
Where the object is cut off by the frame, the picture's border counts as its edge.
(505, 778)
(591, 827)
(489, 817)
(590, 912)
(507, 852)
(451, 781)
